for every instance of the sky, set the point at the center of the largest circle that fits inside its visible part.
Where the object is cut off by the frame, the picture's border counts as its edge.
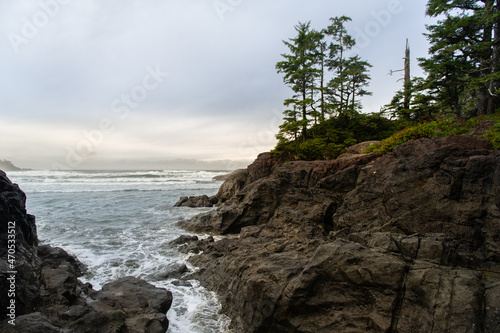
(88, 84)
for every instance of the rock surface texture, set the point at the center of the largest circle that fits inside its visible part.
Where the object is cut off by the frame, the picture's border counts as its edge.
(49, 298)
(405, 242)
(196, 201)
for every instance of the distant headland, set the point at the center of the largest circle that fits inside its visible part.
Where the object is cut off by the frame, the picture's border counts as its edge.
(8, 166)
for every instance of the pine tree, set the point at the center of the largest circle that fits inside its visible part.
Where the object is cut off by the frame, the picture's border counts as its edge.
(299, 71)
(357, 79)
(292, 124)
(320, 86)
(336, 62)
(465, 51)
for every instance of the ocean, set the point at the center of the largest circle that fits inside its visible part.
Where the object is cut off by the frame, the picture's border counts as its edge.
(121, 223)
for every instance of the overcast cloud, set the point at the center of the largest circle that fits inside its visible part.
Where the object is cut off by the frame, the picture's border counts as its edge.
(87, 83)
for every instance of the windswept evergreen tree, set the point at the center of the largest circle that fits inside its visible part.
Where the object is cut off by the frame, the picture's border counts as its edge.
(341, 42)
(357, 79)
(300, 73)
(324, 79)
(321, 86)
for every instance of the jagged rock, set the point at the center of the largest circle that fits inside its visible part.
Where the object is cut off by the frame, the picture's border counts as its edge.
(286, 185)
(49, 296)
(196, 246)
(183, 239)
(191, 244)
(143, 304)
(175, 271)
(27, 263)
(235, 182)
(405, 242)
(228, 175)
(196, 201)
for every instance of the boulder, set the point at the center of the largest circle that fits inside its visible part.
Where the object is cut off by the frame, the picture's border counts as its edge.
(196, 201)
(360, 147)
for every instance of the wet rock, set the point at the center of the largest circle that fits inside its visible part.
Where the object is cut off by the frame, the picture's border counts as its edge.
(174, 272)
(181, 283)
(192, 244)
(183, 239)
(197, 201)
(138, 298)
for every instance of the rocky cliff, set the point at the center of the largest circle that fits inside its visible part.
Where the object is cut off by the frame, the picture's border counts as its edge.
(405, 242)
(41, 291)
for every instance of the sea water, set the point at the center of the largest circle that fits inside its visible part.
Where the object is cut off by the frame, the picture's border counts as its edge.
(121, 223)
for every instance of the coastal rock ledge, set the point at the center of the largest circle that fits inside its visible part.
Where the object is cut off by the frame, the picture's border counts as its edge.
(41, 292)
(404, 242)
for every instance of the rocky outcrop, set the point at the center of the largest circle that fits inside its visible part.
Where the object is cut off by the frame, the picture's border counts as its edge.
(42, 292)
(405, 242)
(196, 201)
(233, 182)
(225, 177)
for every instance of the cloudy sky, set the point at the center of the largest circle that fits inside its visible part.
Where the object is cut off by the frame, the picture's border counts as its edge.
(130, 83)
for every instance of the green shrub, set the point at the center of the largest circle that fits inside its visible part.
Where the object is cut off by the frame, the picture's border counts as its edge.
(437, 129)
(493, 135)
(330, 139)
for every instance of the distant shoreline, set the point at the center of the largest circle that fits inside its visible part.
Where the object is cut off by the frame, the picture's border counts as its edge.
(9, 166)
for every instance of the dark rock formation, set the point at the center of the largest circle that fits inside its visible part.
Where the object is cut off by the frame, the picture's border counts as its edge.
(405, 242)
(225, 177)
(234, 181)
(48, 295)
(192, 244)
(197, 201)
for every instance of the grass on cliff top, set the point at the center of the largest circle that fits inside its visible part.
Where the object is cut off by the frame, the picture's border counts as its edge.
(439, 129)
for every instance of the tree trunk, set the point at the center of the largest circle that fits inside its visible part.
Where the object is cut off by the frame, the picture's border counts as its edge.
(493, 100)
(407, 79)
(353, 95)
(341, 71)
(304, 114)
(484, 97)
(322, 91)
